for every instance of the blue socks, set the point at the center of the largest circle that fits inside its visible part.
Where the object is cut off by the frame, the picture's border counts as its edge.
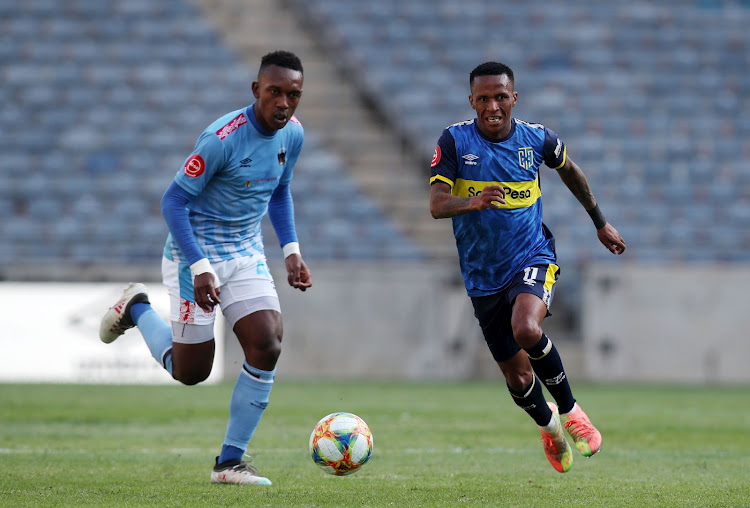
(156, 333)
(249, 400)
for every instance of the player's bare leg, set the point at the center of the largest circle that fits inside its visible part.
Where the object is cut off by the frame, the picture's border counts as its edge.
(192, 363)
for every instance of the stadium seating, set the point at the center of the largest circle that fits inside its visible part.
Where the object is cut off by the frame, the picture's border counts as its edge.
(651, 99)
(102, 101)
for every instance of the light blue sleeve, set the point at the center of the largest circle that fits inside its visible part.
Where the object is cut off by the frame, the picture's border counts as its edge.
(207, 159)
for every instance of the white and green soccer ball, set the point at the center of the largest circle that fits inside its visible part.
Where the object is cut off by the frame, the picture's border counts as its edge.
(341, 443)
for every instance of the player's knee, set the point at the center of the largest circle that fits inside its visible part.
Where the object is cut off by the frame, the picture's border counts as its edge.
(264, 352)
(192, 377)
(526, 332)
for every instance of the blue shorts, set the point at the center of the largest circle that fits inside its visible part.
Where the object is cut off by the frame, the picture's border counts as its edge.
(494, 311)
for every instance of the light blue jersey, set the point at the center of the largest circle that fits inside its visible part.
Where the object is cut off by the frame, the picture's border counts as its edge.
(233, 170)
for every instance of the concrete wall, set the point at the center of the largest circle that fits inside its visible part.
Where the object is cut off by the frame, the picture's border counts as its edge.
(405, 321)
(389, 321)
(676, 324)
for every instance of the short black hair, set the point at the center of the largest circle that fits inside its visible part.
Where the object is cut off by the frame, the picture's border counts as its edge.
(491, 69)
(285, 59)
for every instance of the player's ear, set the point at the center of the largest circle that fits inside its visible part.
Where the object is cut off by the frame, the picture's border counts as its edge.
(256, 90)
(471, 101)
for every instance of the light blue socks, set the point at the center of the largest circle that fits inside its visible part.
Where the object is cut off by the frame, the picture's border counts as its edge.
(156, 332)
(249, 400)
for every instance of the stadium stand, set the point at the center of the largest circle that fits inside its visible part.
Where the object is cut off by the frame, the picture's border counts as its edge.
(103, 100)
(651, 99)
(101, 104)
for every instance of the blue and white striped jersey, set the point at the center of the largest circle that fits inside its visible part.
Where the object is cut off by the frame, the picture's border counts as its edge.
(233, 170)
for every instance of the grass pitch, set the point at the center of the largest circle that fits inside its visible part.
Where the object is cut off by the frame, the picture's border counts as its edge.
(436, 444)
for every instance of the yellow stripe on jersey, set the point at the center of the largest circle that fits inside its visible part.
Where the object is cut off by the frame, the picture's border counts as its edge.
(517, 194)
(440, 178)
(565, 157)
(551, 278)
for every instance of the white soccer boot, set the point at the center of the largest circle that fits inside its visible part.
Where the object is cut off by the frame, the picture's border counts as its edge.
(117, 319)
(238, 472)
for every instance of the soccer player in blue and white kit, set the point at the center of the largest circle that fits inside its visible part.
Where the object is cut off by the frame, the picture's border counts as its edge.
(485, 175)
(241, 168)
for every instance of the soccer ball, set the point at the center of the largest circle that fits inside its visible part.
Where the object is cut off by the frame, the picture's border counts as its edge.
(341, 443)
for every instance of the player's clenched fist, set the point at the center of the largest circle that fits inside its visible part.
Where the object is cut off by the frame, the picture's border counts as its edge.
(491, 196)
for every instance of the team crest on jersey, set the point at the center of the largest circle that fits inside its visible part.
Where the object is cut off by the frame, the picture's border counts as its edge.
(436, 156)
(194, 166)
(282, 156)
(526, 157)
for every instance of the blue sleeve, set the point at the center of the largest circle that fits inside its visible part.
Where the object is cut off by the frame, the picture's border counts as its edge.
(444, 166)
(555, 152)
(173, 205)
(281, 213)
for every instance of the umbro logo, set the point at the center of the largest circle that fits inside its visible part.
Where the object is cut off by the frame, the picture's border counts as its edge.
(555, 380)
(245, 163)
(470, 159)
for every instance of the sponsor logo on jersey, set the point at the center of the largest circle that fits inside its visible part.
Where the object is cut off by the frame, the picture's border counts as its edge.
(232, 126)
(470, 159)
(436, 156)
(282, 156)
(517, 194)
(245, 163)
(526, 157)
(194, 166)
(257, 181)
(558, 148)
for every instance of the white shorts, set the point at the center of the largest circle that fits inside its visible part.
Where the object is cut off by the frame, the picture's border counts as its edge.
(242, 279)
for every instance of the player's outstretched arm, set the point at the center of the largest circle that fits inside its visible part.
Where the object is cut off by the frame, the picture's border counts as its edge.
(298, 274)
(576, 181)
(443, 204)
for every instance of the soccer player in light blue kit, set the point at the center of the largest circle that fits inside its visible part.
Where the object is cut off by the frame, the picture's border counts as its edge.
(241, 168)
(485, 175)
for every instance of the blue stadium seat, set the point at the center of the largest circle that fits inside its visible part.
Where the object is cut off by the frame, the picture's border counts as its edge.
(107, 124)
